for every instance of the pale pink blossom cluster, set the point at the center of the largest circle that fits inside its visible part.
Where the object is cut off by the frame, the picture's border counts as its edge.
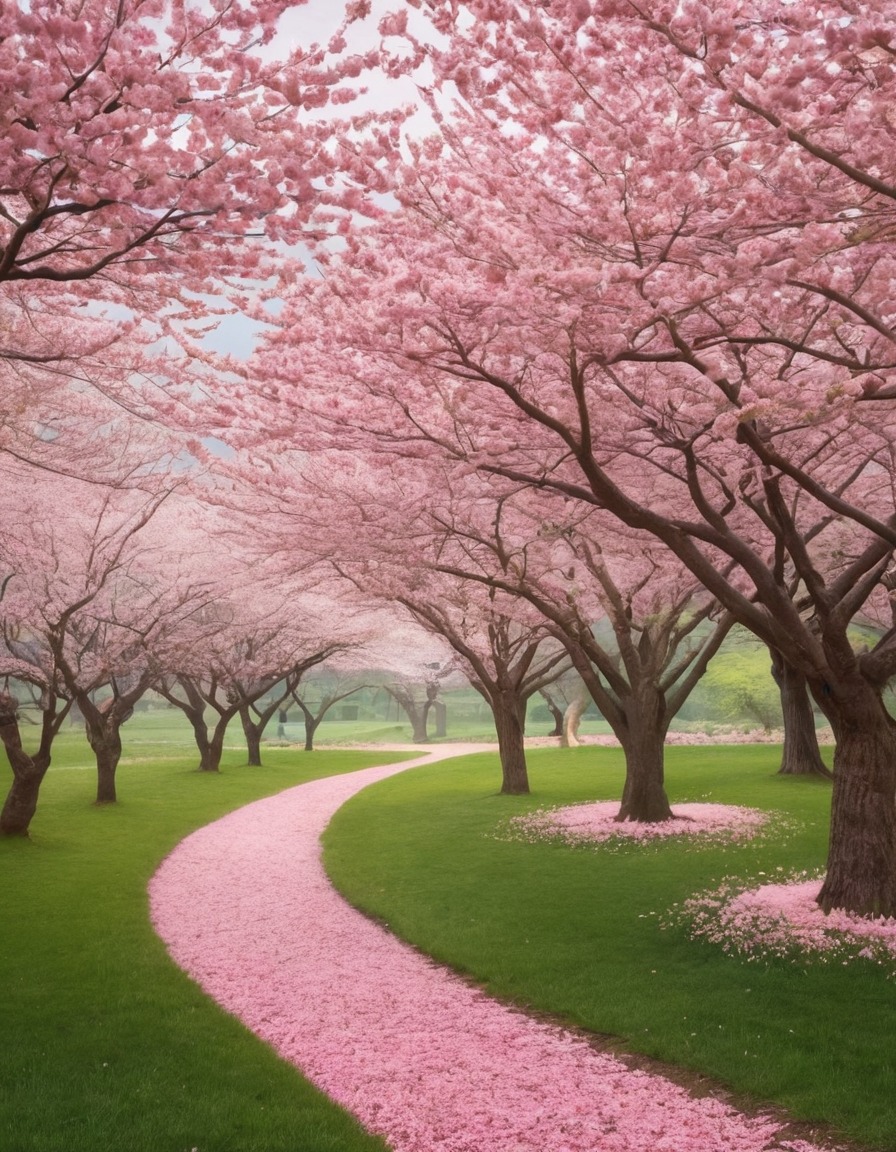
(719, 735)
(597, 823)
(731, 735)
(414, 1052)
(783, 919)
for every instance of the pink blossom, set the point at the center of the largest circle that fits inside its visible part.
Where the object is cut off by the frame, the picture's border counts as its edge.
(597, 823)
(783, 919)
(415, 1053)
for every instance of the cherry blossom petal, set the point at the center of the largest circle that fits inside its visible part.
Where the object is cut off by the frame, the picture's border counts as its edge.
(596, 822)
(784, 919)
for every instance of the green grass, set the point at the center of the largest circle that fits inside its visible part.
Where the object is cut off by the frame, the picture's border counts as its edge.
(575, 931)
(106, 1045)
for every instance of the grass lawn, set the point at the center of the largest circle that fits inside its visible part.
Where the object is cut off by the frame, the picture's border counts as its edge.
(575, 931)
(106, 1045)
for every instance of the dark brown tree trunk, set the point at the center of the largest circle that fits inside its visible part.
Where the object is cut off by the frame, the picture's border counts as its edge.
(640, 719)
(21, 800)
(27, 776)
(106, 764)
(419, 732)
(508, 716)
(103, 727)
(253, 747)
(27, 771)
(643, 739)
(200, 735)
(861, 872)
(252, 732)
(107, 750)
(801, 755)
(211, 753)
(311, 723)
(193, 704)
(209, 749)
(644, 798)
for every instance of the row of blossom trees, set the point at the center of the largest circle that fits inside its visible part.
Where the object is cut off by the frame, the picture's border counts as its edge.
(127, 589)
(156, 161)
(619, 332)
(647, 267)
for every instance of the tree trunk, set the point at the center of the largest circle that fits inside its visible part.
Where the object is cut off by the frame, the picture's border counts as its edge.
(210, 755)
(508, 716)
(200, 735)
(572, 717)
(639, 717)
(441, 716)
(27, 771)
(641, 730)
(861, 873)
(103, 728)
(644, 798)
(107, 750)
(801, 755)
(555, 712)
(414, 712)
(253, 747)
(419, 733)
(210, 748)
(310, 728)
(311, 723)
(27, 776)
(252, 732)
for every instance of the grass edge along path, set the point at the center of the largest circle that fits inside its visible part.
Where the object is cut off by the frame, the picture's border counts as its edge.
(106, 1043)
(576, 932)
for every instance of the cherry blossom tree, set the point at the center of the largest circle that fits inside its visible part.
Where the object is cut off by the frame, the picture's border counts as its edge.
(504, 659)
(387, 541)
(330, 506)
(193, 694)
(316, 695)
(255, 713)
(487, 570)
(637, 626)
(406, 692)
(648, 266)
(77, 616)
(28, 768)
(246, 653)
(148, 593)
(230, 676)
(411, 663)
(504, 650)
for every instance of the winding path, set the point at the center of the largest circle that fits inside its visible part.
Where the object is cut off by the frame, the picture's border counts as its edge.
(417, 1055)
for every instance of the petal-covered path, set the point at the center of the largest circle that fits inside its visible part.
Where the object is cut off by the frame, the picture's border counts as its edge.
(415, 1053)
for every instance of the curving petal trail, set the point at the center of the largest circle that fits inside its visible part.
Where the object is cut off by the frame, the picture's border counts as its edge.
(415, 1053)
